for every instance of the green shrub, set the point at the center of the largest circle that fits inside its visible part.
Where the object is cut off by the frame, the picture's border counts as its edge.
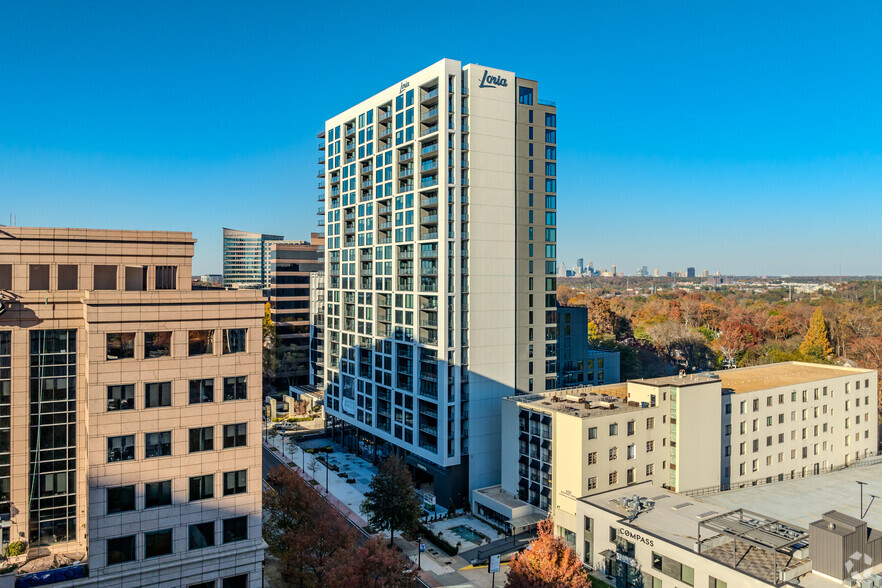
(15, 548)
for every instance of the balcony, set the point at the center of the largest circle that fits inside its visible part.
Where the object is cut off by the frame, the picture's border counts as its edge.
(367, 169)
(406, 156)
(405, 270)
(429, 115)
(430, 97)
(386, 209)
(321, 146)
(429, 236)
(405, 187)
(431, 324)
(429, 149)
(430, 166)
(367, 183)
(430, 219)
(320, 173)
(385, 132)
(384, 116)
(406, 173)
(428, 182)
(430, 202)
(430, 304)
(428, 429)
(321, 160)
(429, 130)
(350, 132)
(429, 270)
(321, 184)
(429, 340)
(321, 210)
(405, 255)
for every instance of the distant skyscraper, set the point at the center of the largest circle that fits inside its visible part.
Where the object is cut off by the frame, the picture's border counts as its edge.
(613, 271)
(247, 259)
(580, 266)
(433, 219)
(655, 273)
(690, 272)
(704, 273)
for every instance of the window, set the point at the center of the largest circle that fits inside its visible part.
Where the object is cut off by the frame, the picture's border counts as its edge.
(120, 550)
(550, 136)
(630, 427)
(157, 394)
(201, 487)
(157, 344)
(157, 494)
(632, 451)
(39, 277)
(550, 119)
(592, 432)
(650, 423)
(592, 483)
(157, 444)
(613, 478)
(650, 446)
(105, 277)
(714, 583)
(613, 429)
(201, 535)
(613, 453)
(120, 499)
(201, 391)
(209, 584)
(240, 581)
(234, 435)
(201, 439)
(157, 543)
(612, 534)
(120, 345)
(235, 482)
(235, 529)
(136, 278)
(68, 278)
(166, 277)
(201, 342)
(234, 340)
(650, 468)
(5, 276)
(236, 388)
(525, 95)
(121, 448)
(121, 397)
(592, 458)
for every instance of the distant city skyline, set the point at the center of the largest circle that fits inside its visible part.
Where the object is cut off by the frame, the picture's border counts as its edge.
(707, 133)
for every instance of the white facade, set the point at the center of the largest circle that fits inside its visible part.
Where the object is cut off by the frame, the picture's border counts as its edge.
(436, 264)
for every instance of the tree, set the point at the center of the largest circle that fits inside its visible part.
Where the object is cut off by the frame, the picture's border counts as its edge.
(548, 562)
(269, 344)
(780, 326)
(736, 338)
(374, 565)
(304, 532)
(391, 502)
(816, 344)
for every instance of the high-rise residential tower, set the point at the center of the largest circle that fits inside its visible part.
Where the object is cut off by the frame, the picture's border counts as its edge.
(247, 259)
(440, 196)
(129, 410)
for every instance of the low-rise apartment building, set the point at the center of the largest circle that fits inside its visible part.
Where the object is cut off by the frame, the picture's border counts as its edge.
(129, 411)
(693, 433)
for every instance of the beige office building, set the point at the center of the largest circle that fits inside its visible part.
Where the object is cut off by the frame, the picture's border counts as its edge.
(696, 434)
(440, 215)
(143, 398)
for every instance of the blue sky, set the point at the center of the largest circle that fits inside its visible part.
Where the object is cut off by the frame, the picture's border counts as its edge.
(744, 137)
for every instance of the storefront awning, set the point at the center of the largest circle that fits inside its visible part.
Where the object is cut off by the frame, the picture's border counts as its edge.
(526, 521)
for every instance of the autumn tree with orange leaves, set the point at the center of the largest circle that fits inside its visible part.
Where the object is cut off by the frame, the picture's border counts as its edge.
(548, 562)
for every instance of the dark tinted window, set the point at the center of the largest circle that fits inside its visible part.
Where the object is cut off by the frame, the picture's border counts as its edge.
(235, 482)
(121, 397)
(166, 277)
(157, 344)
(68, 277)
(236, 388)
(201, 342)
(157, 394)
(234, 340)
(234, 435)
(105, 277)
(202, 487)
(120, 550)
(157, 444)
(201, 439)
(240, 581)
(201, 391)
(121, 448)
(201, 535)
(120, 345)
(120, 499)
(158, 543)
(39, 277)
(157, 494)
(235, 529)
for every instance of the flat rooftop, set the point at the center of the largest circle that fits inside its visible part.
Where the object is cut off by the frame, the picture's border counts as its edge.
(760, 377)
(804, 500)
(583, 402)
(674, 518)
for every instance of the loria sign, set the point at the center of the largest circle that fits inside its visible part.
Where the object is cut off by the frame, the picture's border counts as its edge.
(489, 81)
